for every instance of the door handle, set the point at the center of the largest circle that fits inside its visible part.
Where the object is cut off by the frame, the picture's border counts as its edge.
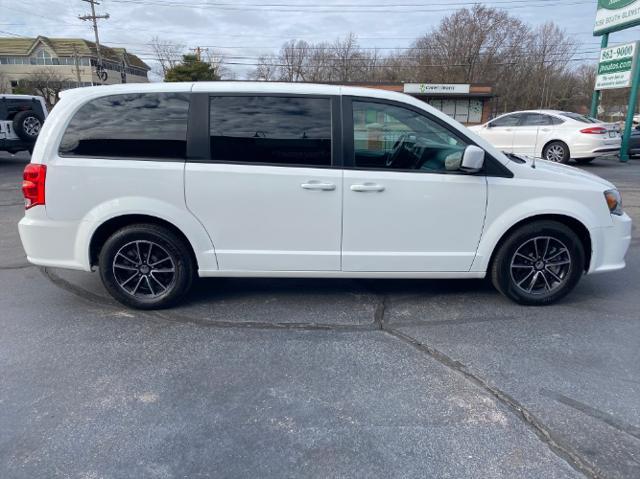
(367, 187)
(313, 185)
(545, 130)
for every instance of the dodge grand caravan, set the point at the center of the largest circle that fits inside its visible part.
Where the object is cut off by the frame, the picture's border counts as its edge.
(156, 184)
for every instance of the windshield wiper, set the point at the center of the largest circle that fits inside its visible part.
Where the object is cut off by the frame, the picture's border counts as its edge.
(517, 158)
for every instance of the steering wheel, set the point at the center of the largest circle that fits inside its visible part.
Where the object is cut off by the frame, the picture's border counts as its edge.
(396, 150)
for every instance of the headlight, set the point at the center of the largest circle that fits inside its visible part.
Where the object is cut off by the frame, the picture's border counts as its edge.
(614, 201)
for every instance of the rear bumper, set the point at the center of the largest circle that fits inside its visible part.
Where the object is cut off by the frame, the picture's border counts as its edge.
(593, 148)
(610, 245)
(51, 243)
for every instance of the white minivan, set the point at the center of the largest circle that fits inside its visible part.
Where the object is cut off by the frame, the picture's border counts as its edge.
(155, 184)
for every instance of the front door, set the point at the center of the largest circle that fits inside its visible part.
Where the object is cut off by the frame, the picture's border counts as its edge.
(500, 131)
(407, 207)
(267, 195)
(533, 132)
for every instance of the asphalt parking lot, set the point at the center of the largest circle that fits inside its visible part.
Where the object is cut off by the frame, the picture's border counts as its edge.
(315, 378)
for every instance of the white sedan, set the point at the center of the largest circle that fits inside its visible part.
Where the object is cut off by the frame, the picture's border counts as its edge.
(553, 135)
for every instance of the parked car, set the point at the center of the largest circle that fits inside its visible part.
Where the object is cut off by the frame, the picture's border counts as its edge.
(634, 142)
(155, 184)
(557, 136)
(21, 118)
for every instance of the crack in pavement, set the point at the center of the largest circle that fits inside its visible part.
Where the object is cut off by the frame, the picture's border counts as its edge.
(182, 318)
(605, 417)
(560, 449)
(17, 266)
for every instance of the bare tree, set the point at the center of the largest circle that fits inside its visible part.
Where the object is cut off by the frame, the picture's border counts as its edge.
(217, 62)
(167, 54)
(46, 82)
(5, 85)
(349, 59)
(293, 58)
(266, 70)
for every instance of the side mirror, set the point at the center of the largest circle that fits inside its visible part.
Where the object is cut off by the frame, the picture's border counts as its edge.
(488, 125)
(472, 159)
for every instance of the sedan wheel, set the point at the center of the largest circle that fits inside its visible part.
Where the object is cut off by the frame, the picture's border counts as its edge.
(556, 152)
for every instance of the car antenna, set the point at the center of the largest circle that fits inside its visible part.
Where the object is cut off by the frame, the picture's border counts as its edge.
(533, 162)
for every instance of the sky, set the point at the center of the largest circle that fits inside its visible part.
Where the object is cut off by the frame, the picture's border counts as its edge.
(244, 29)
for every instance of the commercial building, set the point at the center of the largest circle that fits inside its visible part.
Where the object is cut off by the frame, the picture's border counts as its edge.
(467, 103)
(72, 60)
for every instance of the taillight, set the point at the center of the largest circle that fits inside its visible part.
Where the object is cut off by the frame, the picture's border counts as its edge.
(33, 180)
(594, 130)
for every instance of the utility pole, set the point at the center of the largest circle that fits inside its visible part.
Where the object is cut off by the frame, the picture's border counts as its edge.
(198, 51)
(75, 59)
(94, 19)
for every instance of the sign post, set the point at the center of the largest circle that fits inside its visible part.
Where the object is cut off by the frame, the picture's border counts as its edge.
(595, 99)
(633, 98)
(618, 66)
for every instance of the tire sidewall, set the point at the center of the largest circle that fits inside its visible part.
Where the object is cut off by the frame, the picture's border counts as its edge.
(566, 155)
(18, 125)
(170, 242)
(502, 267)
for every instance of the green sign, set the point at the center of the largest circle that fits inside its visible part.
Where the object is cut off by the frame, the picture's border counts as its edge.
(613, 15)
(615, 69)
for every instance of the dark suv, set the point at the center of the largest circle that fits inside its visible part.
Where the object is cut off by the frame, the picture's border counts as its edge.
(21, 118)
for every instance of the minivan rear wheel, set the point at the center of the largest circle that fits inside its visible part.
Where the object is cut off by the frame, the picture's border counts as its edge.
(538, 263)
(146, 266)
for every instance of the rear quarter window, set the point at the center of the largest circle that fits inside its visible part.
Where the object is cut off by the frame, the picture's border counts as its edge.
(137, 125)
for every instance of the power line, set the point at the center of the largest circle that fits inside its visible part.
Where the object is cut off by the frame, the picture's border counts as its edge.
(297, 8)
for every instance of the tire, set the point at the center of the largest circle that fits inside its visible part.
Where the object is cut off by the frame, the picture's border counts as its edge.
(27, 125)
(127, 266)
(556, 151)
(550, 278)
(584, 161)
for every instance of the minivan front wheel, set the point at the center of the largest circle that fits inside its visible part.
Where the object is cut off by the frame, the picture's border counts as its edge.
(538, 263)
(146, 266)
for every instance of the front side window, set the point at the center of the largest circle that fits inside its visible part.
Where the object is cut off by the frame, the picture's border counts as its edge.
(507, 120)
(289, 131)
(393, 137)
(136, 125)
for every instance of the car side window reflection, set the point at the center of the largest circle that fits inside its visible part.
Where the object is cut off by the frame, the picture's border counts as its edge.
(396, 138)
(508, 120)
(536, 119)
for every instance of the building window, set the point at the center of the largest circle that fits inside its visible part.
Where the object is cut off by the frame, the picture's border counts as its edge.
(42, 57)
(464, 110)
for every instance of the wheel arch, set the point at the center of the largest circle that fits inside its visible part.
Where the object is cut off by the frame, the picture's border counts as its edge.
(575, 225)
(110, 226)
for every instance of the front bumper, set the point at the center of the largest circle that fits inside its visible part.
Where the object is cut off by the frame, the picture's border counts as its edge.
(609, 245)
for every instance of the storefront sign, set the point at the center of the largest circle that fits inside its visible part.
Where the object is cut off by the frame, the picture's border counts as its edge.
(616, 66)
(613, 15)
(436, 88)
